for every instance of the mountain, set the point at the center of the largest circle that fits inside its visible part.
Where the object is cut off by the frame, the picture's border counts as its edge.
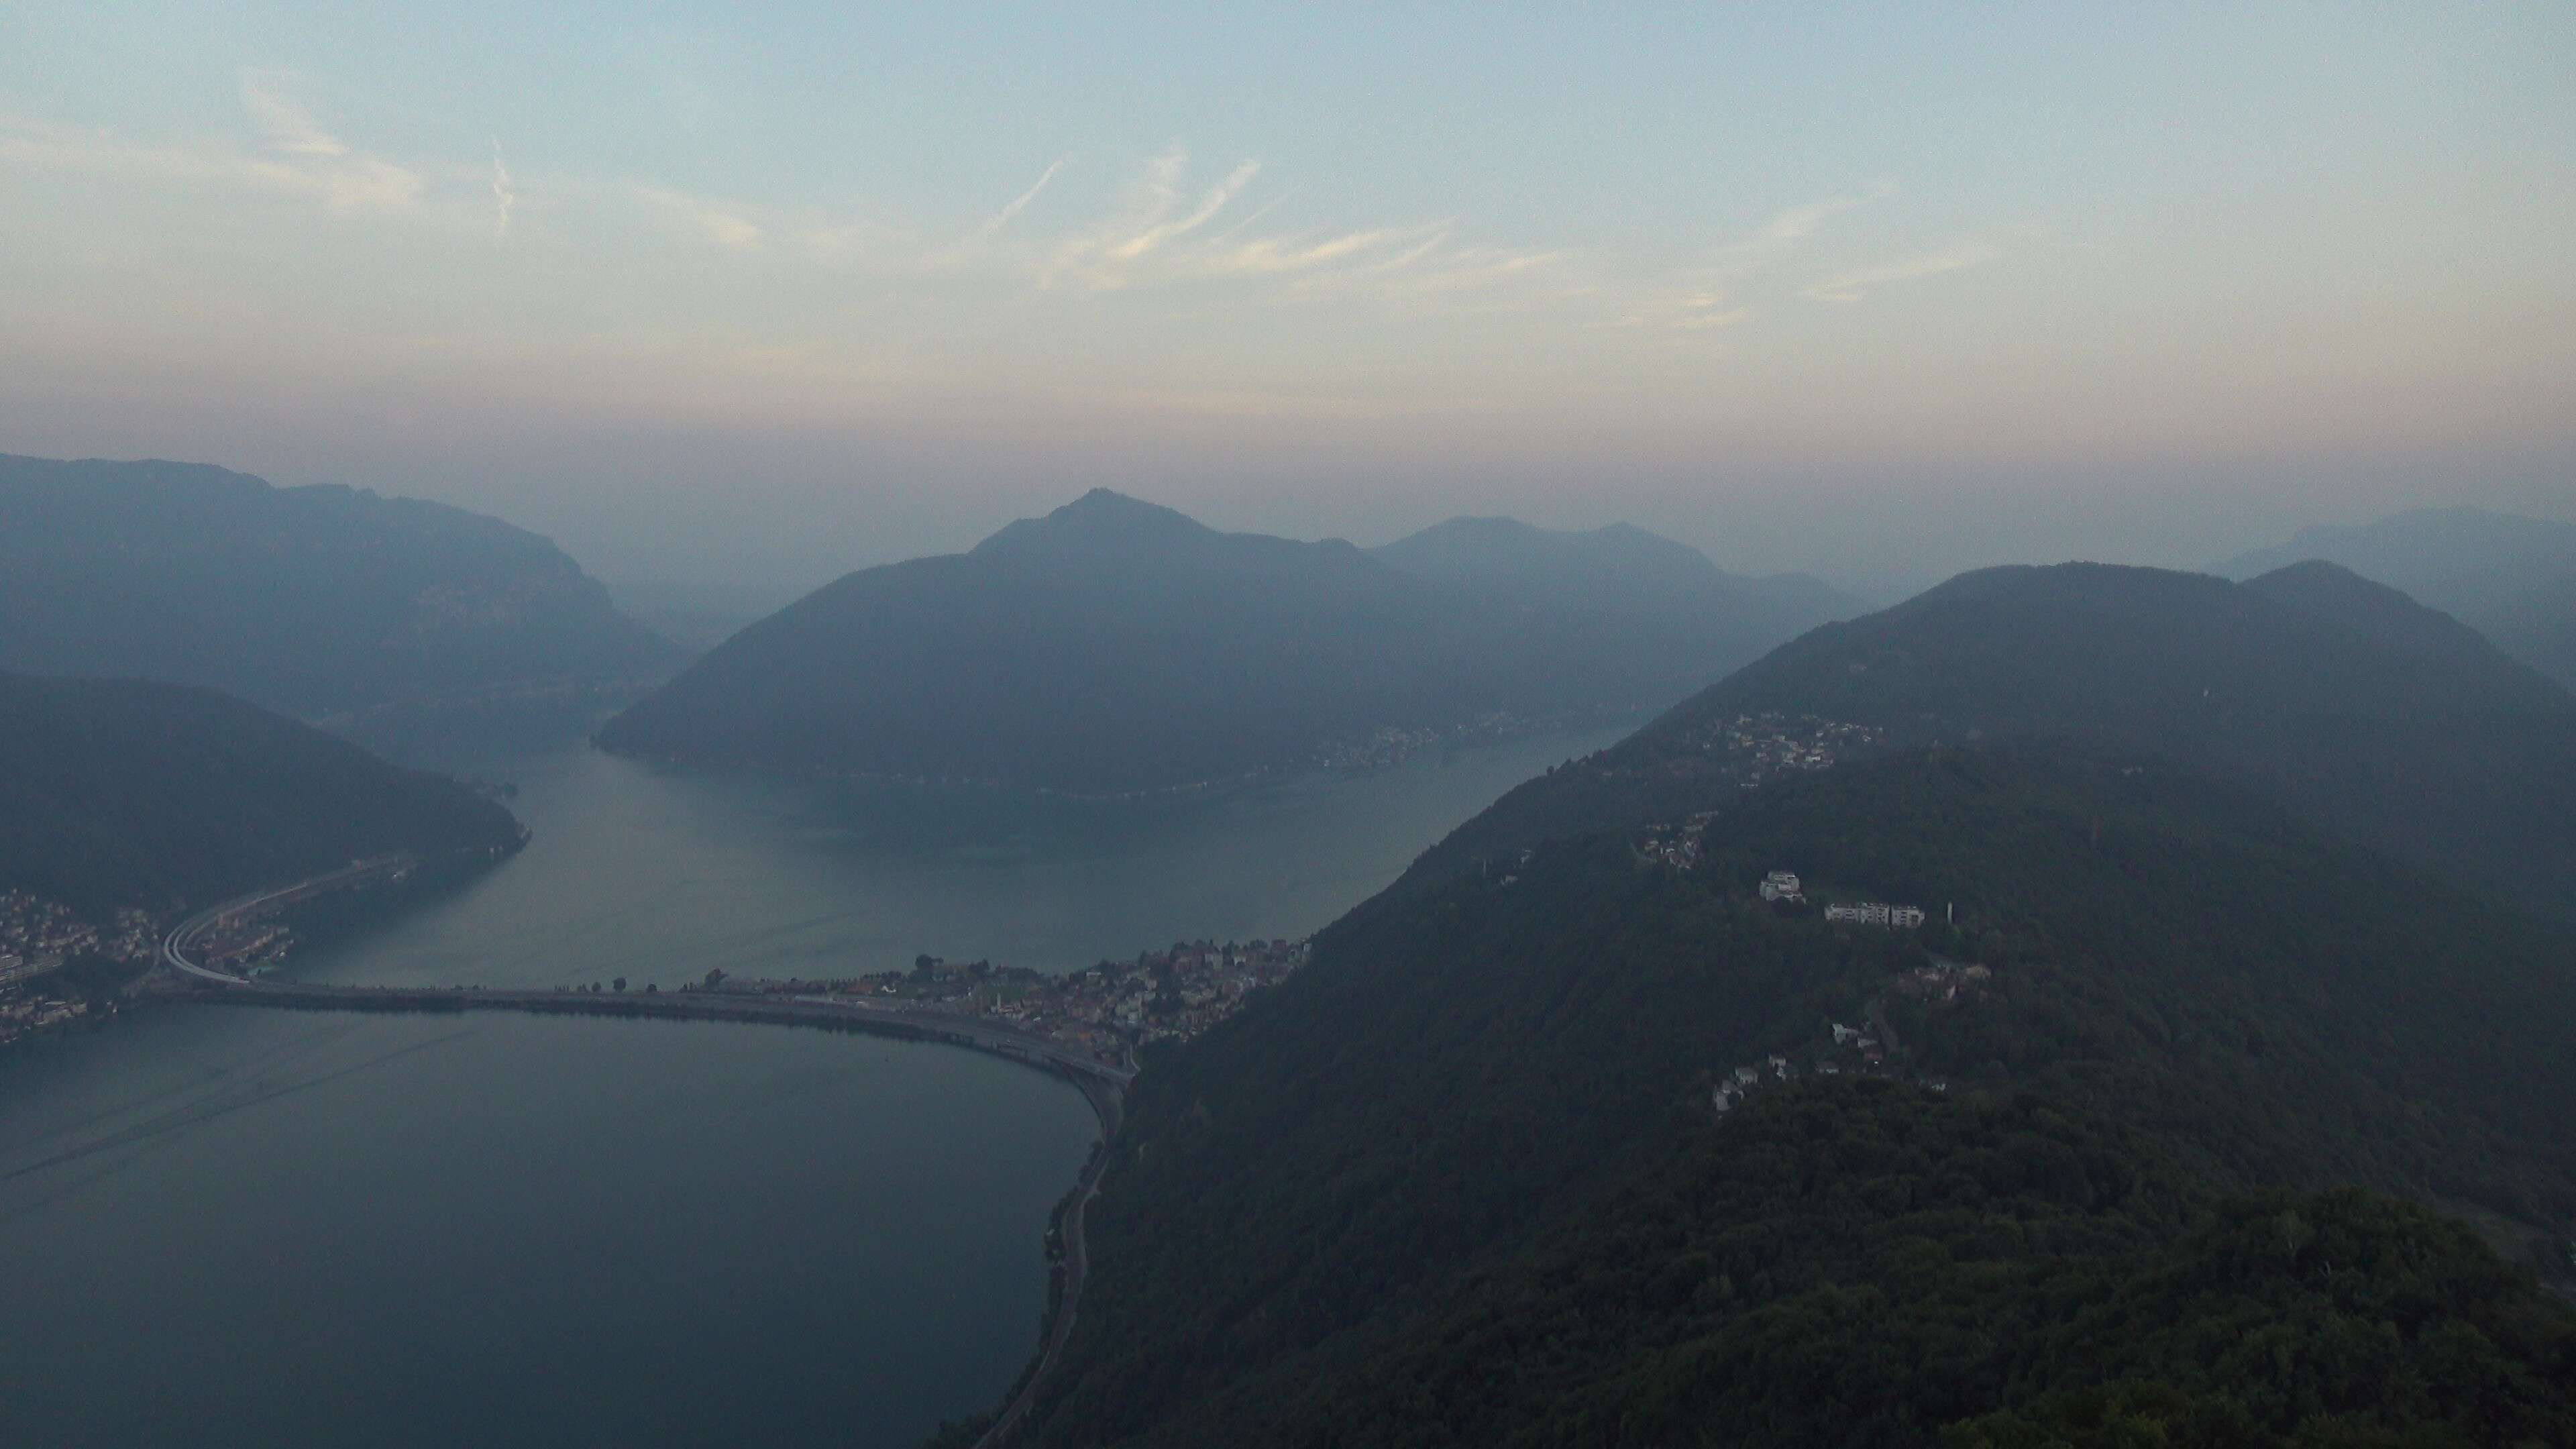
(2383, 718)
(2513, 578)
(1618, 567)
(2537, 627)
(126, 793)
(2147, 1163)
(1116, 645)
(315, 601)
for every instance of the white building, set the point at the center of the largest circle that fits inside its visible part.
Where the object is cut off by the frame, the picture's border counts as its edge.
(1875, 913)
(1780, 885)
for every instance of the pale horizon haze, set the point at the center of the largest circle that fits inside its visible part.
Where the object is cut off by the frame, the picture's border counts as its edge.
(1873, 292)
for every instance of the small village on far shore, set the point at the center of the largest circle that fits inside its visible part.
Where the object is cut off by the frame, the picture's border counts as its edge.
(40, 940)
(1105, 1011)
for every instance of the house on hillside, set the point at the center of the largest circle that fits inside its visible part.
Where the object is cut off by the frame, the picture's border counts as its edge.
(1781, 885)
(1875, 913)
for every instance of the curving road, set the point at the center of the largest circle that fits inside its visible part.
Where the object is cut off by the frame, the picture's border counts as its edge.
(183, 937)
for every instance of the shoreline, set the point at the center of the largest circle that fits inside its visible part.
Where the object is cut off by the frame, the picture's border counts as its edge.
(1465, 737)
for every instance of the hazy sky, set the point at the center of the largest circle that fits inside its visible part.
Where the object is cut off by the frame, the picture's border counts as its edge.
(1864, 290)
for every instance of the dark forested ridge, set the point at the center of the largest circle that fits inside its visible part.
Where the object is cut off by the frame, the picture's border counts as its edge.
(1115, 645)
(2512, 578)
(1459, 1181)
(125, 793)
(315, 601)
(1871, 1265)
(2387, 720)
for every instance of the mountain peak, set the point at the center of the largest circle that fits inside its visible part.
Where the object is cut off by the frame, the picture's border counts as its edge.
(1101, 521)
(2365, 611)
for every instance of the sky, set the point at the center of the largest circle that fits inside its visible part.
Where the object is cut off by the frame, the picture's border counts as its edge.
(733, 301)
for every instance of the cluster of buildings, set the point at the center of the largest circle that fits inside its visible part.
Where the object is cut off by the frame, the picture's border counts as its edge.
(1756, 747)
(1106, 1010)
(1863, 1051)
(1677, 846)
(1784, 886)
(245, 944)
(38, 938)
(1943, 980)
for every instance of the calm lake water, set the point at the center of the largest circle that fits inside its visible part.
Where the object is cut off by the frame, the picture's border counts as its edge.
(233, 1226)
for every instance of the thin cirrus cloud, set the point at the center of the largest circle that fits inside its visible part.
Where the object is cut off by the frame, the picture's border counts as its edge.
(290, 129)
(1160, 228)
(1272, 256)
(993, 225)
(1158, 233)
(296, 156)
(1162, 190)
(505, 196)
(1852, 286)
(716, 221)
(1699, 298)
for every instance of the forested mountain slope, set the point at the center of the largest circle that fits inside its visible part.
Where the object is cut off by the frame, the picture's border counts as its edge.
(1459, 1180)
(1871, 1265)
(1115, 645)
(2387, 720)
(2510, 577)
(125, 793)
(313, 601)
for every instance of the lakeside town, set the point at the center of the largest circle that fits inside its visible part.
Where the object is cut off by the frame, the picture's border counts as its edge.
(1105, 1011)
(57, 968)
(43, 946)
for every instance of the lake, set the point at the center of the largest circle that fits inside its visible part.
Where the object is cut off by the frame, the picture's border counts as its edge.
(233, 1226)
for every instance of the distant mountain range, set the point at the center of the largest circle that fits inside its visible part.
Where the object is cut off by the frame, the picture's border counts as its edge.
(2512, 578)
(316, 601)
(1116, 645)
(2389, 720)
(127, 793)
(1621, 568)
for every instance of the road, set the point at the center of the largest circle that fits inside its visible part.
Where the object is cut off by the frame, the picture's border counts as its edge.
(915, 1025)
(183, 937)
(1077, 1265)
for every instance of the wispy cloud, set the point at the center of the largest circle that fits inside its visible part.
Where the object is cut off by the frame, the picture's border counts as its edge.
(504, 195)
(1689, 312)
(1273, 256)
(1020, 203)
(1164, 231)
(1854, 285)
(1253, 217)
(716, 221)
(1791, 227)
(290, 129)
(1160, 226)
(297, 157)
(837, 239)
